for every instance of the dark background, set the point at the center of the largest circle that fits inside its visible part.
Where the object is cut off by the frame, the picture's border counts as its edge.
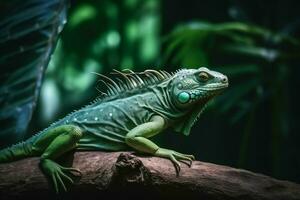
(254, 125)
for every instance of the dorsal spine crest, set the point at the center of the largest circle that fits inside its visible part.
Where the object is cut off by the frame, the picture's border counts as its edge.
(128, 80)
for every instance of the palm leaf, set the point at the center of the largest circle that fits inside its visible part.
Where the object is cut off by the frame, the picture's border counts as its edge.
(28, 34)
(229, 37)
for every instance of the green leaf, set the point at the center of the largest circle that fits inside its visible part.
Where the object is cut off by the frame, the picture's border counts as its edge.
(28, 35)
(255, 51)
(232, 37)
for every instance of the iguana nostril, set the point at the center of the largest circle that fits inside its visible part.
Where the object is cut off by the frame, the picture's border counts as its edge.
(224, 79)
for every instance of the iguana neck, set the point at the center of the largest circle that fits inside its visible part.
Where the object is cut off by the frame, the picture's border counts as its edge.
(165, 105)
(183, 118)
(163, 92)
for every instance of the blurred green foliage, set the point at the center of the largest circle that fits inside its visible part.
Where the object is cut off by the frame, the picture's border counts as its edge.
(100, 36)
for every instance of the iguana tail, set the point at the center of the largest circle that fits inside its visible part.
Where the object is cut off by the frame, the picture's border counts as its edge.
(15, 152)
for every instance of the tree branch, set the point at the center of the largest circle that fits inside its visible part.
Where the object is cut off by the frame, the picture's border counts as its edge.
(129, 176)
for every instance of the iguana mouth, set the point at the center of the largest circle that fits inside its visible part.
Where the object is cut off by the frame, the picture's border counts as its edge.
(216, 88)
(203, 98)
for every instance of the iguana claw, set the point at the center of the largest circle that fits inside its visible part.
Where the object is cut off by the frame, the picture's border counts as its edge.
(72, 171)
(175, 157)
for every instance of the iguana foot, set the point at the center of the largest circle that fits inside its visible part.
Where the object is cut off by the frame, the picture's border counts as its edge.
(58, 174)
(175, 157)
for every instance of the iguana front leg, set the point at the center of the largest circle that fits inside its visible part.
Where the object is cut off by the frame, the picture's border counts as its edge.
(137, 138)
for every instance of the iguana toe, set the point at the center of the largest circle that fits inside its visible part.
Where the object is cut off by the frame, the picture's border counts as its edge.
(58, 174)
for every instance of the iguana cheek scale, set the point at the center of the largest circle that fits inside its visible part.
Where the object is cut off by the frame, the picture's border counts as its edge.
(183, 97)
(137, 107)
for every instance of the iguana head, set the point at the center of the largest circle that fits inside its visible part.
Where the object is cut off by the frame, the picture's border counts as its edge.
(196, 86)
(191, 89)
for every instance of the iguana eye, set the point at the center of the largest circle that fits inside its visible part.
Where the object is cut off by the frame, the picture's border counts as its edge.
(203, 76)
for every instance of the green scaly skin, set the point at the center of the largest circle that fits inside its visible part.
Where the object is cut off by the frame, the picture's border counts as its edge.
(139, 107)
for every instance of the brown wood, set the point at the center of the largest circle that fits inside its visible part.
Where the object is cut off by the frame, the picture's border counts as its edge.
(128, 176)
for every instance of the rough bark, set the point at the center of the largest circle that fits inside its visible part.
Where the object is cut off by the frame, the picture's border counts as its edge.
(128, 176)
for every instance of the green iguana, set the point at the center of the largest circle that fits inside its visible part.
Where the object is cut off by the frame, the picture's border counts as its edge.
(137, 107)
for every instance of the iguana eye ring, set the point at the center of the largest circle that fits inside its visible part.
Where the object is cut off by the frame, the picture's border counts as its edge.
(203, 76)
